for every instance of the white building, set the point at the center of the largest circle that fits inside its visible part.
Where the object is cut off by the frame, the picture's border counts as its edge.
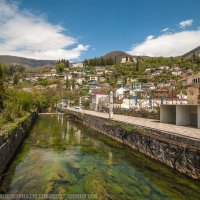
(102, 79)
(93, 78)
(164, 67)
(121, 92)
(119, 82)
(100, 73)
(67, 76)
(97, 100)
(49, 73)
(128, 60)
(123, 60)
(52, 86)
(176, 73)
(80, 80)
(78, 64)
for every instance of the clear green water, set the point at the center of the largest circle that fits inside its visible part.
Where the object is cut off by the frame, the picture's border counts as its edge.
(61, 156)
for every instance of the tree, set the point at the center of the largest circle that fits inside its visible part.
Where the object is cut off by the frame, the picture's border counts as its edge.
(102, 61)
(73, 83)
(86, 62)
(16, 104)
(40, 101)
(67, 63)
(60, 67)
(2, 89)
(194, 57)
(110, 61)
(137, 65)
(15, 79)
(68, 84)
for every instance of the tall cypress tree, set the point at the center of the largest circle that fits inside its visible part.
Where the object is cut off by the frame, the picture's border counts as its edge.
(2, 89)
(137, 65)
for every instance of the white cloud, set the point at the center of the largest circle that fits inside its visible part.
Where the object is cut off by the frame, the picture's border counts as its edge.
(185, 23)
(165, 29)
(25, 34)
(168, 44)
(150, 37)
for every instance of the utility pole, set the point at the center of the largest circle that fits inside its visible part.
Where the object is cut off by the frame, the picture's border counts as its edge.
(181, 96)
(80, 103)
(111, 105)
(68, 103)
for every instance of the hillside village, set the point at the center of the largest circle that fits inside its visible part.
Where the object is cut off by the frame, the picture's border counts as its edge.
(100, 99)
(137, 82)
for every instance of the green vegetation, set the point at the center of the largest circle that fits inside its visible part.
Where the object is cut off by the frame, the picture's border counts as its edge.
(128, 127)
(137, 70)
(74, 95)
(46, 82)
(2, 89)
(61, 65)
(99, 62)
(14, 102)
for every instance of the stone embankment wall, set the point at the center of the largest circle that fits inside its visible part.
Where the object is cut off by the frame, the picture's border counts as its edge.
(182, 154)
(9, 142)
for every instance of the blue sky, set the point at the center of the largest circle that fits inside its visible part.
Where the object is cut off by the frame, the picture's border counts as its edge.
(89, 28)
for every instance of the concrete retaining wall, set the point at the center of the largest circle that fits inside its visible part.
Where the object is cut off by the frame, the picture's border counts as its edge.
(180, 153)
(11, 141)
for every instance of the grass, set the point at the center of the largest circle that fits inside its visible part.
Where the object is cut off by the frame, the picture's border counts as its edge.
(126, 127)
(7, 127)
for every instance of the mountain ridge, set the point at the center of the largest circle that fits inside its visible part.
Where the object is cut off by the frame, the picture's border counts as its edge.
(195, 50)
(114, 55)
(25, 62)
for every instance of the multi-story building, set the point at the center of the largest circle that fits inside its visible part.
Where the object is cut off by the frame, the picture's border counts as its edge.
(78, 64)
(193, 90)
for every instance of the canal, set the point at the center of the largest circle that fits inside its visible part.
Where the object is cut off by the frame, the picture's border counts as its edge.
(60, 156)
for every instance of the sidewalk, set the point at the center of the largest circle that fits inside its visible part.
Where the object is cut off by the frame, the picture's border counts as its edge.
(188, 132)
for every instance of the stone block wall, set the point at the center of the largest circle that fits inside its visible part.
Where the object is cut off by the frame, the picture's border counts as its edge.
(10, 142)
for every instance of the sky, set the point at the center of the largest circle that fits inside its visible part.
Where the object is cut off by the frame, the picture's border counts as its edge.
(79, 29)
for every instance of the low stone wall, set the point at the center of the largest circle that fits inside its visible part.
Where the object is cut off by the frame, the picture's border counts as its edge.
(134, 113)
(182, 154)
(10, 142)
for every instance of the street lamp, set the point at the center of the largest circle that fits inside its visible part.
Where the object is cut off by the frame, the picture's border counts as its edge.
(80, 103)
(111, 105)
(68, 103)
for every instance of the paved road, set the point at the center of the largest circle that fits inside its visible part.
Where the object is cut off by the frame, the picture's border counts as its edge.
(150, 123)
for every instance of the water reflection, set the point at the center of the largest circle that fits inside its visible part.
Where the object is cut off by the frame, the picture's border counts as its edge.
(61, 156)
(110, 156)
